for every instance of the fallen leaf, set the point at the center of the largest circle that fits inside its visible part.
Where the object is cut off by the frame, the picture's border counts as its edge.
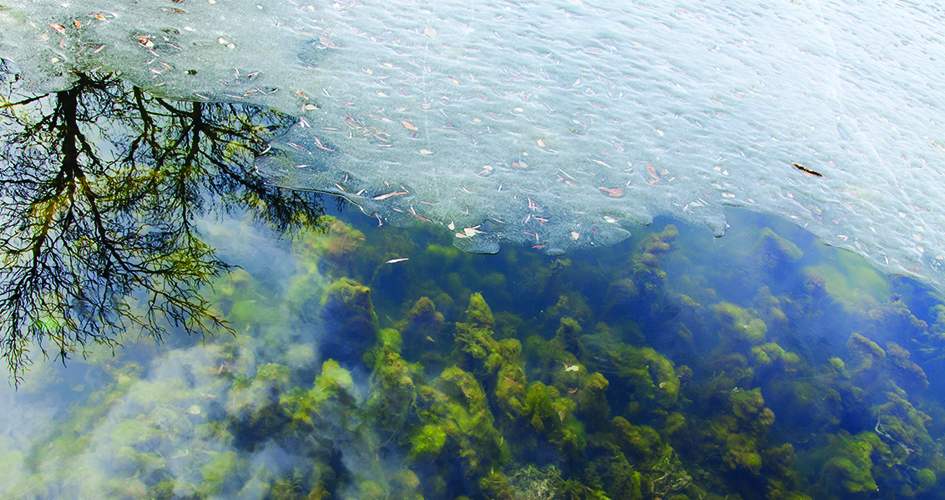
(430, 32)
(327, 42)
(612, 192)
(408, 125)
(650, 169)
(388, 195)
(471, 231)
(426, 152)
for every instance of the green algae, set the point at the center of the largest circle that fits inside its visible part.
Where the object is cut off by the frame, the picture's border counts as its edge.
(739, 325)
(773, 251)
(850, 281)
(576, 398)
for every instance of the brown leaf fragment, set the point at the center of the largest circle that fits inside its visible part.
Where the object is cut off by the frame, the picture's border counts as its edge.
(612, 192)
(327, 42)
(655, 174)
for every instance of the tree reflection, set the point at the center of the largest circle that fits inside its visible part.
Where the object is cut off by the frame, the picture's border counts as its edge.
(101, 187)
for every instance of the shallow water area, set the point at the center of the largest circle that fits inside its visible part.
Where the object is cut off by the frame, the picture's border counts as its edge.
(236, 228)
(384, 363)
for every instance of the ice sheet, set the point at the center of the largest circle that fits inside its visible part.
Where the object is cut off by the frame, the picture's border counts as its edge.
(558, 124)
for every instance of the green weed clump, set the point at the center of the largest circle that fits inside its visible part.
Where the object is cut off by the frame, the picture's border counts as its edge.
(653, 372)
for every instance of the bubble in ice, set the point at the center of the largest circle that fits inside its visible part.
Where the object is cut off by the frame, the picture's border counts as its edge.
(558, 125)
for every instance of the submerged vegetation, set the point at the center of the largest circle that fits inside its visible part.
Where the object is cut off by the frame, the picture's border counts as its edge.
(672, 367)
(386, 364)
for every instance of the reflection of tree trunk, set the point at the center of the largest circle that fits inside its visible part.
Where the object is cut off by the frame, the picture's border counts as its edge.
(85, 224)
(66, 105)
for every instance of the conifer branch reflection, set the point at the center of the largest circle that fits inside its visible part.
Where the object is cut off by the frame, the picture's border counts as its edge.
(101, 188)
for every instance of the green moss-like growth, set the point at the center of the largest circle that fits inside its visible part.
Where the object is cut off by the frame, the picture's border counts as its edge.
(341, 244)
(926, 479)
(771, 355)
(618, 477)
(386, 338)
(477, 350)
(350, 322)
(331, 395)
(567, 339)
(641, 442)
(592, 404)
(572, 489)
(850, 470)
(395, 389)
(218, 470)
(736, 438)
(552, 416)
(658, 244)
(427, 441)
(478, 314)
(903, 427)
(641, 380)
(739, 325)
(510, 388)
(495, 486)
(749, 408)
(441, 257)
(423, 320)
(622, 297)
(456, 420)
(405, 485)
(570, 305)
(867, 354)
(908, 374)
(850, 281)
(773, 252)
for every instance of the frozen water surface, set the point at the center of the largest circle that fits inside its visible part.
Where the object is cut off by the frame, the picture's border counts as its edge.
(558, 124)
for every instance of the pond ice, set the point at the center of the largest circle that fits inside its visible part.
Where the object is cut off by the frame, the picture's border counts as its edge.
(558, 124)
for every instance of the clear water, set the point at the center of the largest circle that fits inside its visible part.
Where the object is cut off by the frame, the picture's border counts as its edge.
(592, 356)
(697, 366)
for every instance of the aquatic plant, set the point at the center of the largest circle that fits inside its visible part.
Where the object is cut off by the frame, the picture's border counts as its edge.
(454, 411)
(849, 471)
(394, 394)
(350, 323)
(774, 253)
(739, 325)
(657, 244)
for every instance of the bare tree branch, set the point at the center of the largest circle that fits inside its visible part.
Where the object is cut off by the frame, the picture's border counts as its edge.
(98, 236)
